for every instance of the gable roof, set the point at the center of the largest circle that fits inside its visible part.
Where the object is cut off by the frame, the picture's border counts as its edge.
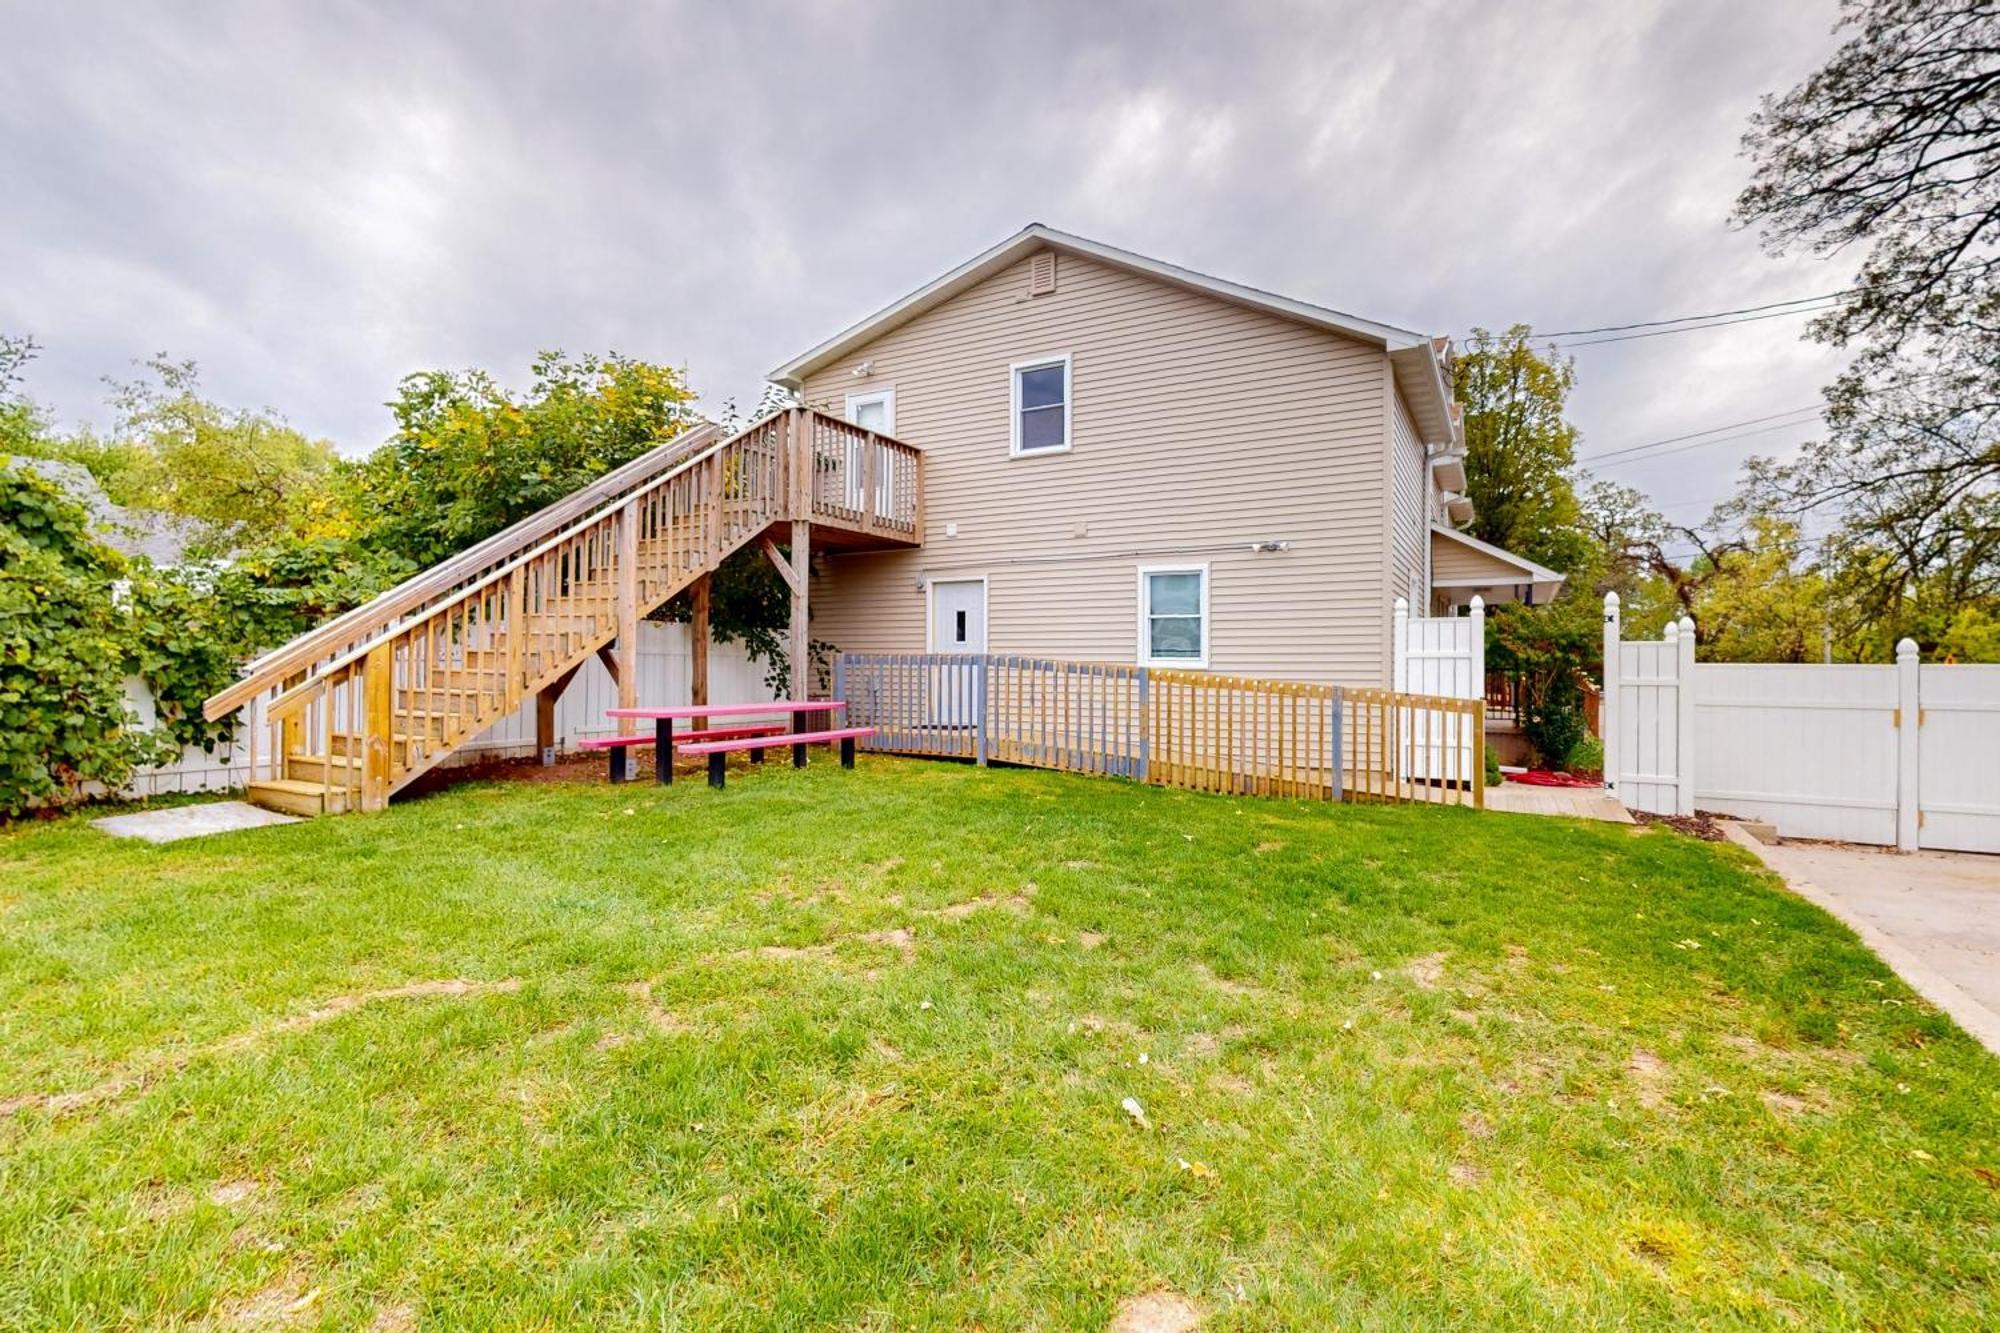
(1416, 358)
(1512, 569)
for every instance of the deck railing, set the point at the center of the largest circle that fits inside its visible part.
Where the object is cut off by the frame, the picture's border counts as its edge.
(1185, 729)
(366, 719)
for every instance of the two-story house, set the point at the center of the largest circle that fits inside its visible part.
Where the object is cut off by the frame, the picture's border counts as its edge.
(1127, 461)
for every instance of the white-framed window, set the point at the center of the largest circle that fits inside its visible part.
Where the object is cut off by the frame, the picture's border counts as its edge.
(1038, 420)
(1173, 615)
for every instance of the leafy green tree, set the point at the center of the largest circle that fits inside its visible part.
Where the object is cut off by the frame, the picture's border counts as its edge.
(468, 457)
(1520, 447)
(1894, 145)
(235, 475)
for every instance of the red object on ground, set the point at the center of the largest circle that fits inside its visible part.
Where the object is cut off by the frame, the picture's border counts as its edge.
(1541, 777)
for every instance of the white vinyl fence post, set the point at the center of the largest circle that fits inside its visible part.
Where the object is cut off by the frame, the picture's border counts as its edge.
(1607, 720)
(1401, 671)
(1478, 647)
(1909, 719)
(1684, 701)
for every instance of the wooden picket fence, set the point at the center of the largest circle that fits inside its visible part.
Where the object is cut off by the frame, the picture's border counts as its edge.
(1186, 729)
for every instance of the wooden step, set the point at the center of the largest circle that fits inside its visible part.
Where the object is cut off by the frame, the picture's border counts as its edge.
(316, 768)
(293, 797)
(345, 744)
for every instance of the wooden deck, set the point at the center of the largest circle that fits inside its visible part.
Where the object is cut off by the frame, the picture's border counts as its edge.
(1573, 802)
(352, 712)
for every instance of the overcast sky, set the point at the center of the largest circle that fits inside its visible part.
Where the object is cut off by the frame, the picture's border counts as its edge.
(313, 199)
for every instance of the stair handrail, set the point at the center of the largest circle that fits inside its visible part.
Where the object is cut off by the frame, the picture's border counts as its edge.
(382, 612)
(459, 593)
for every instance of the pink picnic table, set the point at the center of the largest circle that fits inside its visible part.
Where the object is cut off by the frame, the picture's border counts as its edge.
(622, 769)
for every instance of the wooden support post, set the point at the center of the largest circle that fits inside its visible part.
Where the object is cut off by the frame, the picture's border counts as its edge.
(698, 647)
(517, 647)
(379, 693)
(294, 727)
(546, 700)
(801, 563)
(628, 614)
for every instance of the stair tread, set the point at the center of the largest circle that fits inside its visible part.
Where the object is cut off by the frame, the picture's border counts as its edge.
(297, 786)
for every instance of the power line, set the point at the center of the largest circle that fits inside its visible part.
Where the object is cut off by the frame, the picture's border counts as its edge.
(1702, 444)
(1814, 408)
(1689, 319)
(1697, 328)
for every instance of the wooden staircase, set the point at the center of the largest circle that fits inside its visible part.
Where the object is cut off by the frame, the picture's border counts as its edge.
(349, 714)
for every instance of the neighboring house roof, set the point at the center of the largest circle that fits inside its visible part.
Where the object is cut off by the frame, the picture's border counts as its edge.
(1481, 565)
(158, 537)
(1416, 358)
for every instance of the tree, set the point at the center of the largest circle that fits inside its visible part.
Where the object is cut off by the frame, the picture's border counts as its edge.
(468, 457)
(236, 475)
(1520, 449)
(1895, 145)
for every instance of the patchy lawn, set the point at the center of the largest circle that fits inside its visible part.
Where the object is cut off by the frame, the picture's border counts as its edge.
(856, 1049)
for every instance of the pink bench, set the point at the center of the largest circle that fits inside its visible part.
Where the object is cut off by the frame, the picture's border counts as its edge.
(715, 750)
(623, 770)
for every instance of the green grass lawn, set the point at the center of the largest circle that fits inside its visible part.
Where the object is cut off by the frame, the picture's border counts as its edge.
(850, 1049)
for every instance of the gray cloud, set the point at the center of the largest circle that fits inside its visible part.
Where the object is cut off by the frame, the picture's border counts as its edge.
(314, 200)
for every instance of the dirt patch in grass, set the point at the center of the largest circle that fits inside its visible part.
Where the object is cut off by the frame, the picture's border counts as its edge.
(658, 1017)
(283, 1302)
(1225, 984)
(1649, 1072)
(1156, 1312)
(1428, 971)
(229, 1193)
(57, 1103)
(1088, 940)
(1013, 902)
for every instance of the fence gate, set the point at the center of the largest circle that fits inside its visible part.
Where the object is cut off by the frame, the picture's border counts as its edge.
(1958, 758)
(1905, 756)
(1442, 657)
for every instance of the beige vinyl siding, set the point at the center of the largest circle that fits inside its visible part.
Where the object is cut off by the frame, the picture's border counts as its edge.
(1409, 535)
(1455, 562)
(1198, 428)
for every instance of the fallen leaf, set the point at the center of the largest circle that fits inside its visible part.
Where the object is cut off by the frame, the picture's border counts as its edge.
(1921, 1155)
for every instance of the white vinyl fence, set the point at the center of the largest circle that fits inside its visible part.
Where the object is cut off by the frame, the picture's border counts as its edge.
(1905, 755)
(665, 675)
(1445, 657)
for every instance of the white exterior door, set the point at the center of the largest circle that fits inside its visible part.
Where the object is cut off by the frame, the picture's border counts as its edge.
(958, 625)
(877, 412)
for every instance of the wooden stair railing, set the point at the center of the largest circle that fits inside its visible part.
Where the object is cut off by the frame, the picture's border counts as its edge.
(347, 729)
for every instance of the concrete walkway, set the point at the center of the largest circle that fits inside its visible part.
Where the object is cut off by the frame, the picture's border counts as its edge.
(190, 821)
(1932, 916)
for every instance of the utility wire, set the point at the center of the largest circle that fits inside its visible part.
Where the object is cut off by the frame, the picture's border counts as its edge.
(1689, 319)
(1702, 444)
(1813, 408)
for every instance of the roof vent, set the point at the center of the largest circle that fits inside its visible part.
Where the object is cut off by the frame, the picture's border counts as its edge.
(1042, 273)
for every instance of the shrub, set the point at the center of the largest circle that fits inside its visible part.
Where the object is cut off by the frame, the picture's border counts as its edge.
(1554, 722)
(1492, 769)
(1586, 756)
(64, 652)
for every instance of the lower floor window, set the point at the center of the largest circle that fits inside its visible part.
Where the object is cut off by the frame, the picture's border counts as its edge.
(1173, 615)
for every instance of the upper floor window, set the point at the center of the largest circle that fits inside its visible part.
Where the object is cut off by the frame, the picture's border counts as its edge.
(1040, 422)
